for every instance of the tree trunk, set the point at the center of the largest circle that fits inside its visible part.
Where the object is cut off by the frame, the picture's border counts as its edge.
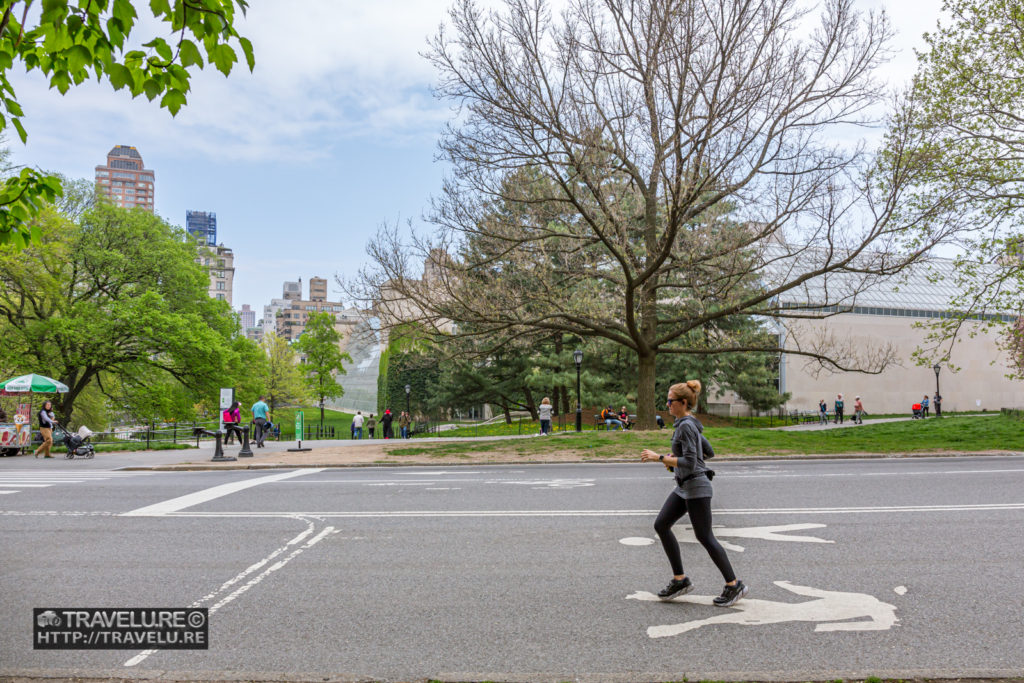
(531, 404)
(508, 414)
(645, 398)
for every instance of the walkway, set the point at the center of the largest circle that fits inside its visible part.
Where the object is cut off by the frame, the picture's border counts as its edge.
(810, 426)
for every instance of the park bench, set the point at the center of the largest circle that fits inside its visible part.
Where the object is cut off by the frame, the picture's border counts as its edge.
(599, 422)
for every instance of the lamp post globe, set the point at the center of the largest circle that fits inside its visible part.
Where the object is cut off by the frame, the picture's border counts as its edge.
(408, 389)
(577, 356)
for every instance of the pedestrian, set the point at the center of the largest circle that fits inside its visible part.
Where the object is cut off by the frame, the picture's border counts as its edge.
(692, 496)
(403, 424)
(924, 406)
(823, 411)
(839, 409)
(232, 417)
(858, 411)
(46, 424)
(544, 412)
(357, 425)
(937, 402)
(611, 419)
(385, 424)
(371, 427)
(259, 419)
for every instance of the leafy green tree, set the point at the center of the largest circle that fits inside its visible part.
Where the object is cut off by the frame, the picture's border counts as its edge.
(114, 297)
(71, 41)
(967, 98)
(319, 343)
(284, 380)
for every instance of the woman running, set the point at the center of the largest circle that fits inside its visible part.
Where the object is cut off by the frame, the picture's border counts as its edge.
(692, 495)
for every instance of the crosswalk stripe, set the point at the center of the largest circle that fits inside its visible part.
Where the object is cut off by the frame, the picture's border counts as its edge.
(36, 479)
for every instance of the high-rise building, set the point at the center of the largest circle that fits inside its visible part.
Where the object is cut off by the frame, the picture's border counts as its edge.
(292, 291)
(219, 261)
(291, 313)
(247, 317)
(317, 289)
(202, 225)
(125, 180)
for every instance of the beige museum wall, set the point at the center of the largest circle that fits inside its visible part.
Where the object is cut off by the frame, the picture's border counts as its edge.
(977, 384)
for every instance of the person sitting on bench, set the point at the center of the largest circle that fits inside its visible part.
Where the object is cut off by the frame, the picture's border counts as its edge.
(610, 418)
(624, 418)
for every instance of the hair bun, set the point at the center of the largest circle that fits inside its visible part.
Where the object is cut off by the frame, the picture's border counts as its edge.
(694, 384)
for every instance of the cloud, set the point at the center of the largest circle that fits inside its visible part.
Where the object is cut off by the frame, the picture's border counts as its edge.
(326, 72)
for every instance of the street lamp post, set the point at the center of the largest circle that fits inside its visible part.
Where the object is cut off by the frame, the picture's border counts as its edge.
(408, 412)
(577, 356)
(936, 368)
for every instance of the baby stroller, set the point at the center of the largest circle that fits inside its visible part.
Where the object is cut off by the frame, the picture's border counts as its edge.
(918, 415)
(77, 444)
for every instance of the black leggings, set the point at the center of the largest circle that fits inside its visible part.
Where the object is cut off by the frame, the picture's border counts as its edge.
(700, 518)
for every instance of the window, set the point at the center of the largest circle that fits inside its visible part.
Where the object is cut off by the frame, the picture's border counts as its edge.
(220, 297)
(220, 284)
(103, 174)
(220, 263)
(207, 262)
(219, 273)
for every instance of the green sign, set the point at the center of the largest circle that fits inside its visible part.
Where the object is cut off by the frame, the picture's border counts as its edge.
(298, 425)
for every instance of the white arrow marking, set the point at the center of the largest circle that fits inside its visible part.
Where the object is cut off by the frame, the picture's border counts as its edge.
(831, 610)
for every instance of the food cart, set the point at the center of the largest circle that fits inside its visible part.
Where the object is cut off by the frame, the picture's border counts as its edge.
(16, 423)
(16, 428)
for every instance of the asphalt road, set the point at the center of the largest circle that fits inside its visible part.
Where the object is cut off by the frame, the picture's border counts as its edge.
(896, 567)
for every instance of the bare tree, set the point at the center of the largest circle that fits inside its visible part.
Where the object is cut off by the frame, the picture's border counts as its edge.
(647, 171)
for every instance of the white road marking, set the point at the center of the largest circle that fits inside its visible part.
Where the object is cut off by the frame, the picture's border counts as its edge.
(900, 590)
(685, 534)
(40, 479)
(206, 495)
(3, 492)
(545, 483)
(636, 540)
(605, 513)
(831, 610)
(327, 531)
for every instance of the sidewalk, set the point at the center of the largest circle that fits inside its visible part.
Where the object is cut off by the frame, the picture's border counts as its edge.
(848, 422)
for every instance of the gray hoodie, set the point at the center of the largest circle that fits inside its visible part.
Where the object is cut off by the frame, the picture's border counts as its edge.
(688, 445)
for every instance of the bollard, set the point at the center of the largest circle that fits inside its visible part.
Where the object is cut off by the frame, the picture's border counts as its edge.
(218, 449)
(245, 451)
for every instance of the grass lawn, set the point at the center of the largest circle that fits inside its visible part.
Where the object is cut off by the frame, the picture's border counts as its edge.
(933, 435)
(521, 426)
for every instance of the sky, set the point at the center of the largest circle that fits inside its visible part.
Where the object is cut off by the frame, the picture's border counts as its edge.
(334, 134)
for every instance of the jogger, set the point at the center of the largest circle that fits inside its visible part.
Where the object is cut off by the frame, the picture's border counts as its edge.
(692, 496)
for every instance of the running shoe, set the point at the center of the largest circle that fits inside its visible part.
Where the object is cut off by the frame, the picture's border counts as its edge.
(675, 588)
(731, 594)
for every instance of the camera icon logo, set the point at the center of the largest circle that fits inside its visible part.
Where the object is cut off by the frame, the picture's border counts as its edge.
(48, 618)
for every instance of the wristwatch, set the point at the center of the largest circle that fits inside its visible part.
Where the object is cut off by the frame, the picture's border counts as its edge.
(661, 458)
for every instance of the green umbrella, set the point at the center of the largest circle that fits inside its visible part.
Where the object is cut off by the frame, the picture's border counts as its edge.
(37, 384)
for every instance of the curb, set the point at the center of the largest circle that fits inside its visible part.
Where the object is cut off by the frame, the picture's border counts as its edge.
(198, 467)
